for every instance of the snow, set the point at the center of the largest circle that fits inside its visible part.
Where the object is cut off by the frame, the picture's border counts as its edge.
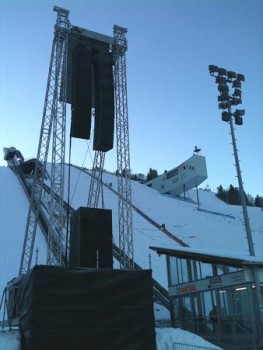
(241, 257)
(9, 341)
(199, 229)
(165, 337)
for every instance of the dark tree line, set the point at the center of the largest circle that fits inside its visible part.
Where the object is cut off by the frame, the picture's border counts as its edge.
(152, 173)
(232, 196)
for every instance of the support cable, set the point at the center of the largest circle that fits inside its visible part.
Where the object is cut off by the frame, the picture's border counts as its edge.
(68, 198)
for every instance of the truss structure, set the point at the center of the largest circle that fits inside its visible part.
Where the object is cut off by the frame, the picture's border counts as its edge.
(54, 119)
(54, 114)
(123, 150)
(96, 186)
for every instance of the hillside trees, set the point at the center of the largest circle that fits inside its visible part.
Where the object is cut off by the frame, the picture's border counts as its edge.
(232, 196)
(259, 201)
(152, 173)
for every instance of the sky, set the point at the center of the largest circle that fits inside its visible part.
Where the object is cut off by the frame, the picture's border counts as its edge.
(172, 99)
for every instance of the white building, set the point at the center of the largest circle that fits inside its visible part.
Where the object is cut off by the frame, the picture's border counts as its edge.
(184, 177)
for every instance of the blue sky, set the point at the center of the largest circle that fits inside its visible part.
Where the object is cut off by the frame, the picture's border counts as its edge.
(172, 98)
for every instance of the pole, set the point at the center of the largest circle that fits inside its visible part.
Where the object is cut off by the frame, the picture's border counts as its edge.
(259, 313)
(241, 189)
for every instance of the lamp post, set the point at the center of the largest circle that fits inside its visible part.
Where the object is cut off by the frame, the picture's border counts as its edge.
(227, 80)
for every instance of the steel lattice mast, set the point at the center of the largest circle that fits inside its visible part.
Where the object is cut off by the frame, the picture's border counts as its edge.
(56, 217)
(123, 149)
(54, 113)
(96, 180)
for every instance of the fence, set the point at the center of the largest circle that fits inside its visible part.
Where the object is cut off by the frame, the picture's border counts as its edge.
(181, 346)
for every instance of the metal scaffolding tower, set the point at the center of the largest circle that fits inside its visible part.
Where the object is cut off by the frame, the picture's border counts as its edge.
(54, 118)
(54, 114)
(123, 150)
(96, 186)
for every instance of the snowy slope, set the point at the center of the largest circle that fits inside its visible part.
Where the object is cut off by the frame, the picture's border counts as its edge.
(13, 215)
(199, 229)
(196, 228)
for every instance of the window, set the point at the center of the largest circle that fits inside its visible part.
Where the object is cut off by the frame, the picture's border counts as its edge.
(172, 271)
(184, 270)
(171, 173)
(179, 271)
(206, 270)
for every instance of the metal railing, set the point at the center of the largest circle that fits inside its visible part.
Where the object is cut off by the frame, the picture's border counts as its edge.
(181, 346)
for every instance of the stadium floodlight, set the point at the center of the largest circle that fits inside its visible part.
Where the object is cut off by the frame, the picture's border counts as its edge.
(212, 69)
(223, 97)
(222, 71)
(236, 101)
(226, 116)
(237, 93)
(231, 75)
(240, 77)
(238, 120)
(236, 84)
(224, 105)
(220, 79)
(239, 112)
(223, 88)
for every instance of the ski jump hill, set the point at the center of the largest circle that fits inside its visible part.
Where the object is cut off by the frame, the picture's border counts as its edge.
(158, 220)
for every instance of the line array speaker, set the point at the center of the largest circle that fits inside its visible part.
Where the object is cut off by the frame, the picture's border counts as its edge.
(91, 238)
(104, 102)
(81, 93)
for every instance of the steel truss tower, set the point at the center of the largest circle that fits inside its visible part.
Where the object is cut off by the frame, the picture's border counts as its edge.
(54, 114)
(123, 149)
(54, 118)
(96, 186)
(123, 154)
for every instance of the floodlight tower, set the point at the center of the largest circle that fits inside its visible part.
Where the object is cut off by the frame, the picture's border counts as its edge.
(54, 115)
(123, 149)
(226, 100)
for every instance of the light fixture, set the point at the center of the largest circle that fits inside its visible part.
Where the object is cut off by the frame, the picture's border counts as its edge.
(241, 288)
(237, 93)
(236, 84)
(222, 71)
(238, 120)
(236, 101)
(239, 112)
(212, 69)
(223, 105)
(226, 116)
(223, 88)
(220, 79)
(222, 98)
(231, 75)
(240, 77)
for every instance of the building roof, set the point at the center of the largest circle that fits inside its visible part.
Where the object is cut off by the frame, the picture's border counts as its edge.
(213, 256)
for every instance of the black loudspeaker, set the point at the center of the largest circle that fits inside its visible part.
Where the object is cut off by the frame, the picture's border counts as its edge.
(91, 238)
(81, 93)
(104, 101)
